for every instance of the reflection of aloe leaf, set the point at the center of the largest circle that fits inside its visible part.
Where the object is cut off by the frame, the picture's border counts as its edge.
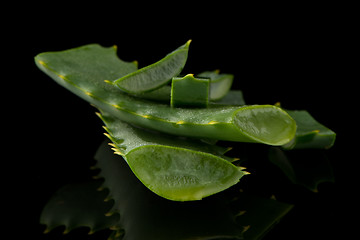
(78, 205)
(258, 215)
(307, 167)
(144, 215)
(309, 133)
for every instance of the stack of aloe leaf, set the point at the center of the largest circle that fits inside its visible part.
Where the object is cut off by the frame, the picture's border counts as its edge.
(166, 124)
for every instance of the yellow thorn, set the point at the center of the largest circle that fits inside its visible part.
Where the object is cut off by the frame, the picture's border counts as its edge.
(217, 71)
(116, 106)
(108, 198)
(114, 228)
(115, 47)
(42, 62)
(47, 230)
(66, 231)
(316, 131)
(108, 82)
(213, 122)
(93, 167)
(107, 135)
(99, 189)
(98, 114)
(242, 168)
(241, 213)
(180, 122)
(118, 153)
(146, 116)
(246, 228)
(246, 173)
(89, 94)
(273, 197)
(136, 63)
(91, 232)
(61, 76)
(278, 104)
(228, 149)
(109, 214)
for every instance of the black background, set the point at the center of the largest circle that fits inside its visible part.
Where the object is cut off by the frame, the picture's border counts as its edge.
(296, 56)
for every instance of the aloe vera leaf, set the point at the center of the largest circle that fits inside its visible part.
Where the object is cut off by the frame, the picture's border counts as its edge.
(78, 205)
(220, 83)
(189, 91)
(83, 71)
(309, 133)
(155, 75)
(144, 215)
(306, 167)
(175, 169)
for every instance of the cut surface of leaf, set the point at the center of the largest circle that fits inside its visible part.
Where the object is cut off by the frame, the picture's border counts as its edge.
(155, 75)
(175, 169)
(265, 123)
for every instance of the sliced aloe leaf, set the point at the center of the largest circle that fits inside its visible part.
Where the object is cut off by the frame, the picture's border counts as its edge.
(155, 75)
(189, 91)
(175, 169)
(309, 133)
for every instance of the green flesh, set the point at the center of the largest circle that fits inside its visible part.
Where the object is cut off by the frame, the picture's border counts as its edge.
(172, 168)
(155, 75)
(83, 71)
(220, 83)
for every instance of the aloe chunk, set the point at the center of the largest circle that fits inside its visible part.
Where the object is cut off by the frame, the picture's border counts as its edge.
(189, 91)
(155, 75)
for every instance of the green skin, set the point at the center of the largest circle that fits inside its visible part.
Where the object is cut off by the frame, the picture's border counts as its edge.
(190, 92)
(83, 71)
